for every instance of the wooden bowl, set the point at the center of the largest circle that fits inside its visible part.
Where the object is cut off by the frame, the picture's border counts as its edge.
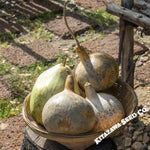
(122, 91)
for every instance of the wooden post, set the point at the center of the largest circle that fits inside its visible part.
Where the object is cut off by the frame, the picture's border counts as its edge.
(126, 47)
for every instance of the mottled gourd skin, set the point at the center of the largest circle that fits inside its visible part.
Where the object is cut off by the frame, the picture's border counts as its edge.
(107, 108)
(100, 69)
(68, 113)
(49, 83)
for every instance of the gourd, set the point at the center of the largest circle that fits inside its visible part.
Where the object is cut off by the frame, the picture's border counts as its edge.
(68, 113)
(100, 69)
(49, 83)
(108, 109)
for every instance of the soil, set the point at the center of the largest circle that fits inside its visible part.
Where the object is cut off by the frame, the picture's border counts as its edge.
(4, 88)
(110, 44)
(11, 133)
(27, 54)
(95, 4)
(77, 23)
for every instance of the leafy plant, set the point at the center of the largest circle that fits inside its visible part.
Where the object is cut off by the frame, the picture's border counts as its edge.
(5, 66)
(103, 18)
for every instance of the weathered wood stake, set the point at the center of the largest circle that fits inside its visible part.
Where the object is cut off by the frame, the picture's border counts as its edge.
(126, 46)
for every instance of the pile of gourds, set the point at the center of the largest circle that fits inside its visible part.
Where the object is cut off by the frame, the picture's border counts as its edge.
(57, 101)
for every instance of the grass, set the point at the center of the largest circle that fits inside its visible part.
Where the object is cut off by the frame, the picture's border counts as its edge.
(5, 66)
(103, 18)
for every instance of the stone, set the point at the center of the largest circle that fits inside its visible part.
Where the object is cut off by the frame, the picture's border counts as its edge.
(139, 63)
(144, 58)
(3, 126)
(131, 129)
(139, 138)
(128, 142)
(136, 134)
(119, 141)
(147, 129)
(146, 138)
(138, 146)
(120, 147)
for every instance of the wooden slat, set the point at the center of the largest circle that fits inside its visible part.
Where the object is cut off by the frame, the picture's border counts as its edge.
(142, 7)
(129, 15)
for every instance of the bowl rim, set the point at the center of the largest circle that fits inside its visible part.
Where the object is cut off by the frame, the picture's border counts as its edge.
(42, 131)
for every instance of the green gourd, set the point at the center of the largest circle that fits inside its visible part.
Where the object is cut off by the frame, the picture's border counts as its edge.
(68, 113)
(49, 83)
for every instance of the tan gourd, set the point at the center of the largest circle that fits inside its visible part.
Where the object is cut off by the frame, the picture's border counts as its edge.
(100, 69)
(68, 113)
(49, 83)
(108, 109)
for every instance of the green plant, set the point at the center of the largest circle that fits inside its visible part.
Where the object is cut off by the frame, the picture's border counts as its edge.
(6, 37)
(5, 66)
(8, 108)
(102, 34)
(103, 18)
(69, 60)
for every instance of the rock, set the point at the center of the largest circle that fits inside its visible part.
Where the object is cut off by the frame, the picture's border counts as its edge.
(131, 129)
(119, 141)
(126, 129)
(7, 3)
(120, 147)
(139, 146)
(3, 126)
(146, 138)
(139, 63)
(128, 142)
(139, 138)
(147, 128)
(144, 58)
(136, 134)
(49, 40)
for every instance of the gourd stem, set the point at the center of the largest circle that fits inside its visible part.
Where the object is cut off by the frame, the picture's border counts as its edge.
(69, 85)
(89, 91)
(64, 13)
(65, 60)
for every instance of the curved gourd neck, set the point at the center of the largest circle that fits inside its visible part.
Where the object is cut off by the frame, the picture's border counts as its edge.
(69, 85)
(89, 91)
(83, 55)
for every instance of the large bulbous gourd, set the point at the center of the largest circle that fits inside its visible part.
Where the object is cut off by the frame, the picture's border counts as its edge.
(49, 83)
(108, 109)
(100, 69)
(68, 113)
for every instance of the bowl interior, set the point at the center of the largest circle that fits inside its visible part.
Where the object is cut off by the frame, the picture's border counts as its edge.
(122, 91)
